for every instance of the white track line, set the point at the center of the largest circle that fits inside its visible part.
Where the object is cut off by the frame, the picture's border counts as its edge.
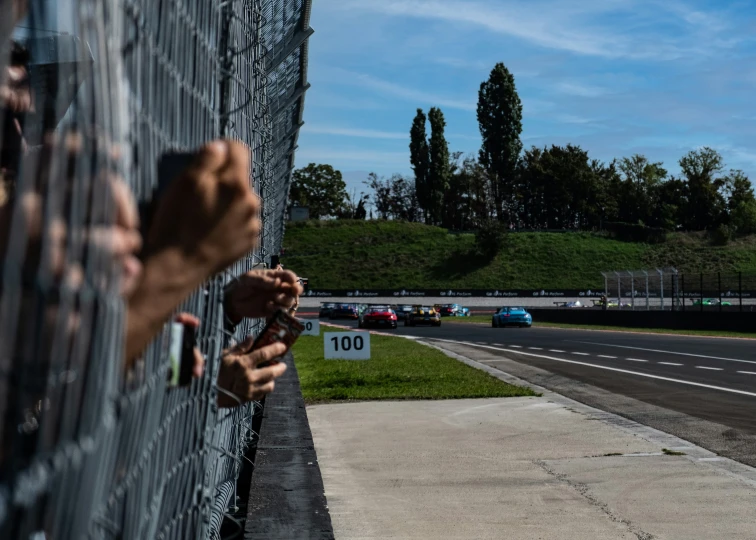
(581, 353)
(636, 360)
(605, 356)
(668, 352)
(556, 350)
(669, 364)
(747, 372)
(709, 368)
(535, 348)
(516, 346)
(608, 368)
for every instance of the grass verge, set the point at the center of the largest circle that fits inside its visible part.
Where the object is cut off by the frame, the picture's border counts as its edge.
(399, 369)
(486, 319)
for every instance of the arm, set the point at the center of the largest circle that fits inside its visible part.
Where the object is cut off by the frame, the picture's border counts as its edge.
(156, 297)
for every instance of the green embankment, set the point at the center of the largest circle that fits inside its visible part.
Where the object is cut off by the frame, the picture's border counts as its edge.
(390, 255)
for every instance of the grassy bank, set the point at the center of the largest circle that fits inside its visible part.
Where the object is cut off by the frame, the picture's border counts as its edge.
(399, 369)
(381, 254)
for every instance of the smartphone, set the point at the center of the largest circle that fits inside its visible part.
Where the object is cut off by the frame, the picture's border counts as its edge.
(181, 353)
(281, 327)
(189, 341)
(169, 167)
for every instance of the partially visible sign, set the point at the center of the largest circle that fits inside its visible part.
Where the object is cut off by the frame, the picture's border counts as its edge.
(311, 327)
(346, 345)
(299, 213)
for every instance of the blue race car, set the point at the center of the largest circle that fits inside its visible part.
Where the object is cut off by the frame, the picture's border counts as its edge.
(453, 310)
(511, 316)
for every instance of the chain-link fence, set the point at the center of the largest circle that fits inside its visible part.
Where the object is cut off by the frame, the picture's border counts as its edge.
(641, 289)
(668, 289)
(87, 451)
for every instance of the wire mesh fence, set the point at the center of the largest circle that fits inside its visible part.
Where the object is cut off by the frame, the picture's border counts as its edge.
(668, 289)
(87, 451)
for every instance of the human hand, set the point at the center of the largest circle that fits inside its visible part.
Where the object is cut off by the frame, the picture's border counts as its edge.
(209, 215)
(240, 375)
(260, 293)
(51, 185)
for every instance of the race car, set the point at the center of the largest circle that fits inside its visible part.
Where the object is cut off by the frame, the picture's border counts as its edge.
(402, 310)
(711, 302)
(511, 316)
(378, 316)
(453, 310)
(326, 309)
(423, 315)
(344, 311)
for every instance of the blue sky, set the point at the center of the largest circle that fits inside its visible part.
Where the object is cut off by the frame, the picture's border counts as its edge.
(618, 77)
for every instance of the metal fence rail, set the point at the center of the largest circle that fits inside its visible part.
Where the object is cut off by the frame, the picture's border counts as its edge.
(668, 289)
(85, 451)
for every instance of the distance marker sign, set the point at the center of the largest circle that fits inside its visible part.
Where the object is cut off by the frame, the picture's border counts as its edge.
(346, 345)
(311, 327)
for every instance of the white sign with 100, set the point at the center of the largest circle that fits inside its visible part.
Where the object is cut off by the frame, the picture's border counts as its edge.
(346, 345)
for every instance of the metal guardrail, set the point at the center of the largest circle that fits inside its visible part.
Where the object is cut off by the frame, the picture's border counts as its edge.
(85, 452)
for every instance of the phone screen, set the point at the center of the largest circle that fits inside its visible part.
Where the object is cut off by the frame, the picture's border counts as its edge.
(281, 328)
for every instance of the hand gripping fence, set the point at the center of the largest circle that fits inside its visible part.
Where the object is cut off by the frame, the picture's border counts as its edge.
(85, 451)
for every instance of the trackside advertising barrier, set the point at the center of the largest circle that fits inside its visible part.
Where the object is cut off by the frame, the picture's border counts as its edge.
(451, 293)
(488, 293)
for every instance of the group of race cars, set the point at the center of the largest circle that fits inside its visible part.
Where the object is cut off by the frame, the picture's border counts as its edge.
(389, 316)
(382, 315)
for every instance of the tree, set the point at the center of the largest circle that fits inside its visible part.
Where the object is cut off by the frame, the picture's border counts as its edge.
(420, 158)
(360, 212)
(562, 188)
(439, 172)
(741, 203)
(706, 205)
(500, 121)
(639, 189)
(394, 198)
(354, 206)
(321, 189)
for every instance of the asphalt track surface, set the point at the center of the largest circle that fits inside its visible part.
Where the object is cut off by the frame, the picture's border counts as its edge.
(679, 377)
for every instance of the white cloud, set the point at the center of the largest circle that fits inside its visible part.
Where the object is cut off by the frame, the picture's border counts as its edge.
(365, 158)
(410, 94)
(581, 27)
(581, 90)
(572, 119)
(353, 132)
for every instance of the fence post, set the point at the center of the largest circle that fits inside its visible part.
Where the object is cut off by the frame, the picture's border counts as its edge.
(702, 291)
(719, 289)
(740, 290)
(661, 288)
(632, 290)
(647, 304)
(682, 286)
(619, 290)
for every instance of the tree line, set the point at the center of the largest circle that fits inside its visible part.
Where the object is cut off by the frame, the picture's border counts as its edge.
(554, 187)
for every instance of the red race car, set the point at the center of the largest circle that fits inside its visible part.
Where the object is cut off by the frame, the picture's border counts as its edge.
(378, 316)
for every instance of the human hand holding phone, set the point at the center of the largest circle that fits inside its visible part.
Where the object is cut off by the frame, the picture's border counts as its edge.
(248, 371)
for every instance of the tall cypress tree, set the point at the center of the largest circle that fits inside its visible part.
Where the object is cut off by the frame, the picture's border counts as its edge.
(440, 169)
(500, 121)
(420, 160)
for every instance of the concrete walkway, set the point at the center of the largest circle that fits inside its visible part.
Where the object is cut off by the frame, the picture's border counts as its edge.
(522, 468)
